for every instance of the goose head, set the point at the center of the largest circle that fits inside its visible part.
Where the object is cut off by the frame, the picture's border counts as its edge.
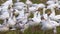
(15, 12)
(28, 2)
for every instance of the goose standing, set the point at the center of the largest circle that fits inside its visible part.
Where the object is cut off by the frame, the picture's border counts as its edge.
(11, 19)
(46, 17)
(46, 25)
(56, 17)
(36, 17)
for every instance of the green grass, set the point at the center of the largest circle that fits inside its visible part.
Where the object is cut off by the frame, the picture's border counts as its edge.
(32, 30)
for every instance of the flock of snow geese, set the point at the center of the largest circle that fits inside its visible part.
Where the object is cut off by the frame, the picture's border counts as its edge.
(15, 15)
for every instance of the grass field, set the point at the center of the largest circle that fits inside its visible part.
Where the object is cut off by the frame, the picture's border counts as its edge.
(32, 30)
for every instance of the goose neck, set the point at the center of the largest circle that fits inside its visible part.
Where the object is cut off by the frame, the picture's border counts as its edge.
(53, 11)
(44, 11)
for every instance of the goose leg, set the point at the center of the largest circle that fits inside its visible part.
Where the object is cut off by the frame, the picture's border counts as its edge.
(54, 30)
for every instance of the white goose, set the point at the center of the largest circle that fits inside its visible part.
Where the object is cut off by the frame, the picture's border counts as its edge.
(21, 15)
(12, 18)
(46, 17)
(56, 17)
(52, 6)
(36, 17)
(35, 14)
(35, 22)
(28, 4)
(47, 25)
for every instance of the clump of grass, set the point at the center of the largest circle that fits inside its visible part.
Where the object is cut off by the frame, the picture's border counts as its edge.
(1, 21)
(31, 15)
